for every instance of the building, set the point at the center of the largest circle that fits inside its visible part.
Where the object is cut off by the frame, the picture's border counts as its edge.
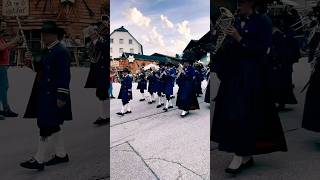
(121, 41)
(136, 61)
(73, 16)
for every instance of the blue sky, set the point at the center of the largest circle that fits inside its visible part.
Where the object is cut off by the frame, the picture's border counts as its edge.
(162, 26)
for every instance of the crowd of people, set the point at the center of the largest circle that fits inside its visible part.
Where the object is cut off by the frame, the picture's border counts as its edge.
(255, 66)
(160, 83)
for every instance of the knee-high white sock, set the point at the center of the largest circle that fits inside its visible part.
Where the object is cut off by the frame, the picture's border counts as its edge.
(123, 109)
(142, 96)
(152, 97)
(167, 104)
(236, 162)
(104, 109)
(58, 142)
(160, 100)
(170, 103)
(128, 107)
(42, 149)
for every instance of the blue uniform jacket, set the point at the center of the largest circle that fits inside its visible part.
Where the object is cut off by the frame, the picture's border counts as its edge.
(126, 89)
(52, 83)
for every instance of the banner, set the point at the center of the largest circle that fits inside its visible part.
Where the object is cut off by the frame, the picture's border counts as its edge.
(15, 7)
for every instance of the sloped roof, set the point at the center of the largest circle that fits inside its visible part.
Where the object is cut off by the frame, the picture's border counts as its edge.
(146, 57)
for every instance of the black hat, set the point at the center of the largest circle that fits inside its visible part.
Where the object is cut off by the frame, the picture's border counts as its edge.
(126, 70)
(51, 27)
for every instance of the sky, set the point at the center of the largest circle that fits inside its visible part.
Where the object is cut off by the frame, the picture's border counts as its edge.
(162, 26)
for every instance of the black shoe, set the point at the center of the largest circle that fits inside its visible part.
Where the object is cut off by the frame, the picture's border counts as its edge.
(120, 113)
(101, 121)
(170, 107)
(142, 99)
(153, 101)
(159, 106)
(150, 102)
(57, 160)
(128, 112)
(32, 164)
(246, 165)
(165, 109)
(112, 97)
(9, 113)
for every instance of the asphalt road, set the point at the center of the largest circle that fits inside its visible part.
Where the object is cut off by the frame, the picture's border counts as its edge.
(86, 145)
(302, 161)
(150, 144)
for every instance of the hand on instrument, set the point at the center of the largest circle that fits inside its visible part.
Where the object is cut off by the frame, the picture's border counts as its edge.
(233, 32)
(60, 103)
(28, 59)
(19, 39)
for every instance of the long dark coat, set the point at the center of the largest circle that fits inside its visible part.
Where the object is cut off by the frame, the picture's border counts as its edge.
(169, 81)
(142, 84)
(186, 97)
(245, 120)
(280, 67)
(51, 83)
(311, 115)
(207, 94)
(152, 85)
(199, 77)
(98, 76)
(126, 89)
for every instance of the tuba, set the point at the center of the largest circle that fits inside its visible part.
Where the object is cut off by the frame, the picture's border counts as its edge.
(225, 21)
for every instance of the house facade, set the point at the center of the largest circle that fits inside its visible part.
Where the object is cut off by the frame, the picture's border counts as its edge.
(121, 41)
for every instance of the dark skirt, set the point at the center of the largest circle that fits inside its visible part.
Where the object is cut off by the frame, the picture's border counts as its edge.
(311, 115)
(246, 121)
(186, 97)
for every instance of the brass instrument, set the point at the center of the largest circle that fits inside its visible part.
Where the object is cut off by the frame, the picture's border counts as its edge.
(180, 70)
(225, 21)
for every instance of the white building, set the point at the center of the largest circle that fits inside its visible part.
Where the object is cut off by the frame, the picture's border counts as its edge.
(121, 41)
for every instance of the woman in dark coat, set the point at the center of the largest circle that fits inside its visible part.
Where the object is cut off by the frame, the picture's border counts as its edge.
(152, 85)
(311, 115)
(142, 83)
(280, 67)
(245, 120)
(187, 98)
(125, 93)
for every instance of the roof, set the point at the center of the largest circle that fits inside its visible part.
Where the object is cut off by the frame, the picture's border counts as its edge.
(200, 47)
(122, 29)
(165, 56)
(147, 58)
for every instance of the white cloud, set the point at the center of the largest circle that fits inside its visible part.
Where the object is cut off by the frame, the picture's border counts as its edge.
(135, 16)
(184, 29)
(166, 21)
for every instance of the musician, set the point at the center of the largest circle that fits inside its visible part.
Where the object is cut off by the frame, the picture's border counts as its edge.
(245, 120)
(98, 77)
(186, 97)
(125, 93)
(152, 85)
(169, 81)
(199, 77)
(284, 53)
(311, 114)
(160, 84)
(50, 98)
(142, 83)
(4, 65)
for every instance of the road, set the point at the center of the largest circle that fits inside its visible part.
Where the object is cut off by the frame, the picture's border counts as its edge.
(302, 159)
(87, 145)
(150, 144)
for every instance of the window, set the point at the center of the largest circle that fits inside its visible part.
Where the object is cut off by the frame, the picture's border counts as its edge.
(121, 51)
(120, 41)
(131, 50)
(111, 41)
(130, 41)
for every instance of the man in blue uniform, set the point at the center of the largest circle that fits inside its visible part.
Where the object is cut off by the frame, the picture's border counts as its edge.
(160, 85)
(125, 93)
(50, 98)
(169, 79)
(199, 77)
(98, 77)
(142, 83)
(186, 98)
(152, 85)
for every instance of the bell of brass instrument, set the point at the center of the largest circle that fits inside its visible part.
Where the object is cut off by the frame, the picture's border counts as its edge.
(225, 21)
